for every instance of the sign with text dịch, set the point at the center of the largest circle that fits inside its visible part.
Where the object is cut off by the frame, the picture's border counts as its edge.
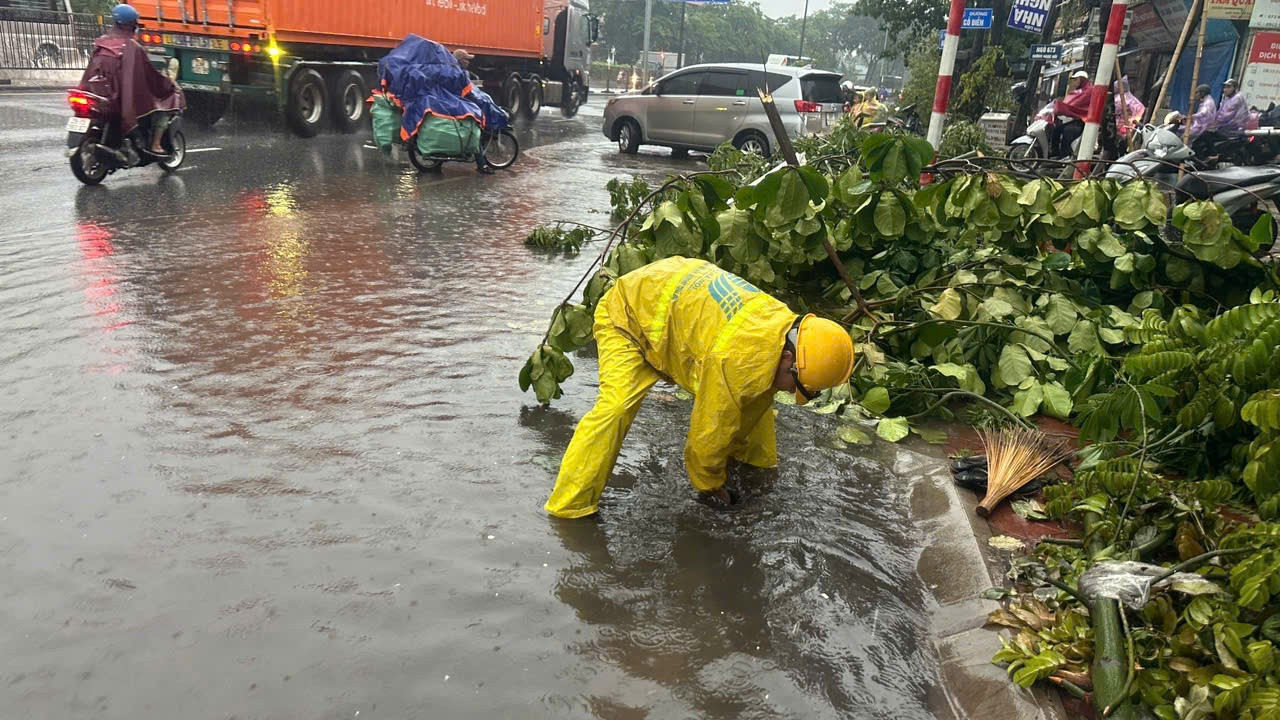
(1229, 9)
(1261, 81)
(1029, 15)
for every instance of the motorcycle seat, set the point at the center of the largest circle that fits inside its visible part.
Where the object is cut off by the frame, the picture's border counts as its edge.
(1206, 184)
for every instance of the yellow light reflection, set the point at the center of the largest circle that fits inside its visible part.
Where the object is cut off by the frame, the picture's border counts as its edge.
(280, 201)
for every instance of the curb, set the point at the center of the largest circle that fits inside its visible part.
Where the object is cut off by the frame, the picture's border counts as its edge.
(956, 566)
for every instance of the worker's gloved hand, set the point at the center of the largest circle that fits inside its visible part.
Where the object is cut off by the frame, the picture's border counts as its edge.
(722, 499)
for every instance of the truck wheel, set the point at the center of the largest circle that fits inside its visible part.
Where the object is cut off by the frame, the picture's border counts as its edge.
(571, 101)
(205, 109)
(513, 94)
(533, 97)
(307, 104)
(346, 98)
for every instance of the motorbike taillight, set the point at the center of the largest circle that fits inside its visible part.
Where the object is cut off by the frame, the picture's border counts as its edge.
(81, 104)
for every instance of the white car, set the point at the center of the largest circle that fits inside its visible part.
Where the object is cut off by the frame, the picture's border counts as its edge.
(702, 106)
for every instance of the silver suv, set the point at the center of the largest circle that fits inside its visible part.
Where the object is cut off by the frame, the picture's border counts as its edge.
(702, 106)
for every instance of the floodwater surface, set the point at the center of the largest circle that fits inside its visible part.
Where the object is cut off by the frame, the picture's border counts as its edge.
(263, 455)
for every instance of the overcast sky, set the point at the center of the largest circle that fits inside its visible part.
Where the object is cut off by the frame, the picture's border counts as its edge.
(783, 8)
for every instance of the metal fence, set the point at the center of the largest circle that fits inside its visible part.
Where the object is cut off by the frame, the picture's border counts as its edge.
(45, 40)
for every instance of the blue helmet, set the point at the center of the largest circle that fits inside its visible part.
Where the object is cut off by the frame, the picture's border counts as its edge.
(124, 15)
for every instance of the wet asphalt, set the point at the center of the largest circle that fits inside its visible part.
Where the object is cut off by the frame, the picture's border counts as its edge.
(263, 455)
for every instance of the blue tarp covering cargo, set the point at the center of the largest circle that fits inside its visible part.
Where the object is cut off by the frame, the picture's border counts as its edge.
(422, 80)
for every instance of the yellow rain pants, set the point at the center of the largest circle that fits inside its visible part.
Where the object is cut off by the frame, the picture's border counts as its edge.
(710, 332)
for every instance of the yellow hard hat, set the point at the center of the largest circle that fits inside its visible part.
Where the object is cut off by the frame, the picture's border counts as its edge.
(824, 356)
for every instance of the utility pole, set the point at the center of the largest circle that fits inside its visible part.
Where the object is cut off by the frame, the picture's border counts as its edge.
(680, 58)
(644, 57)
(803, 25)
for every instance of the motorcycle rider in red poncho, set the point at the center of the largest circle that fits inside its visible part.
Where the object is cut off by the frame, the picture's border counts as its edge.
(136, 92)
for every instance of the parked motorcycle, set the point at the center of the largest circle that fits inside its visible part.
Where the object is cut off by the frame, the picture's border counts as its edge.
(1245, 192)
(1159, 155)
(1026, 152)
(1265, 145)
(497, 143)
(1230, 147)
(97, 148)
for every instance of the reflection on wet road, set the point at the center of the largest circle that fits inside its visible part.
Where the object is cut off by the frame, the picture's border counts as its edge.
(262, 455)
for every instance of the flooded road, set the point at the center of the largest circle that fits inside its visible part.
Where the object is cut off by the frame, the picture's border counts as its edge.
(263, 455)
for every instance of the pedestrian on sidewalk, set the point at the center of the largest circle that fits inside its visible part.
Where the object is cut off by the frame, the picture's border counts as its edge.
(715, 335)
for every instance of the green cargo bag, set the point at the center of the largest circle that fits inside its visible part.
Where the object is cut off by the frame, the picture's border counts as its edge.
(386, 122)
(445, 136)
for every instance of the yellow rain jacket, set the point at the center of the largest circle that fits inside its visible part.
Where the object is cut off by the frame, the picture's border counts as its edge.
(710, 332)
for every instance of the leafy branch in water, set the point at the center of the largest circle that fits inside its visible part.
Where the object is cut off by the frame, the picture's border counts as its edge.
(556, 237)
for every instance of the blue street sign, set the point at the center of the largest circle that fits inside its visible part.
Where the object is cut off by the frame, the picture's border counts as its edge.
(1046, 52)
(1029, 15)
(942, 37)
(977, 19)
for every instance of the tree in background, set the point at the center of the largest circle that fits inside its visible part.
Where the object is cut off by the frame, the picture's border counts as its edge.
(836, 38)
(97, 7)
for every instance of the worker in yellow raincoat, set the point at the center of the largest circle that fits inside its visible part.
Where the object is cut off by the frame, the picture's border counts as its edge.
(720, 338)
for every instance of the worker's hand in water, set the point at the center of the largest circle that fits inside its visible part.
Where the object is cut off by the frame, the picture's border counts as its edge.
(722, 499)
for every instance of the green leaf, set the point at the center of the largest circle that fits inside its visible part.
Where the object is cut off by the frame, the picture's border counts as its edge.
(853, 435)
(876, 400)
(1084, 338)
(890, 219)
(949, 305)
(1057, 261)
(996, 308)
(893, 429)
(815, 182)
(1014, 366)
(791, 202)
(1110, 245)
(966, 375)
(1027, 401)
(933, 436)
(1057, 401)
(525, 375)
(1060, 314)
(1130, 206)
(1262, 233)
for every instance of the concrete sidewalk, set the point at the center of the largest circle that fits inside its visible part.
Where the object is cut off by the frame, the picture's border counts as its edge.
(37, 80)
(957, 565)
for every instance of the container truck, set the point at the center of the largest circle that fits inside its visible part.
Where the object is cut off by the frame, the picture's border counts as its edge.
(318, 59)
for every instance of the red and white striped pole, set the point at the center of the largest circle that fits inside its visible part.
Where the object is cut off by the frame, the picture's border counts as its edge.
(942, 95)
(1098, 101)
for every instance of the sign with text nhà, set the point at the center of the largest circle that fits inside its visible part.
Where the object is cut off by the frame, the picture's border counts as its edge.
(1029, 15)
(977, 19)
(1261, 80)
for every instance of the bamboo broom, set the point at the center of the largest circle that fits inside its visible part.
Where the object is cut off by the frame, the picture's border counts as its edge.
(1015, 458)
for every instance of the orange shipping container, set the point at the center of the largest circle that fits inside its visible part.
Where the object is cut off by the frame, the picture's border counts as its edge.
(490, 27)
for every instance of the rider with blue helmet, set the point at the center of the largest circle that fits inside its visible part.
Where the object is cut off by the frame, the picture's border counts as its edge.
(120, 70)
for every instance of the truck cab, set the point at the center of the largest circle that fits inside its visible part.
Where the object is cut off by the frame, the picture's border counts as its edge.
(568, 32)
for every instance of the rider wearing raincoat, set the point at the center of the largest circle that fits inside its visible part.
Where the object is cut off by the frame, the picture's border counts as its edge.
(868, 111)
(715, 335)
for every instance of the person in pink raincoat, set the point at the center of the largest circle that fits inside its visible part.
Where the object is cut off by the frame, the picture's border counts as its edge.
(1129, 109)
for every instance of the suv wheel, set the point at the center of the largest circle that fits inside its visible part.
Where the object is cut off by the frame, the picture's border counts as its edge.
(752, 143)
(628, 137)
